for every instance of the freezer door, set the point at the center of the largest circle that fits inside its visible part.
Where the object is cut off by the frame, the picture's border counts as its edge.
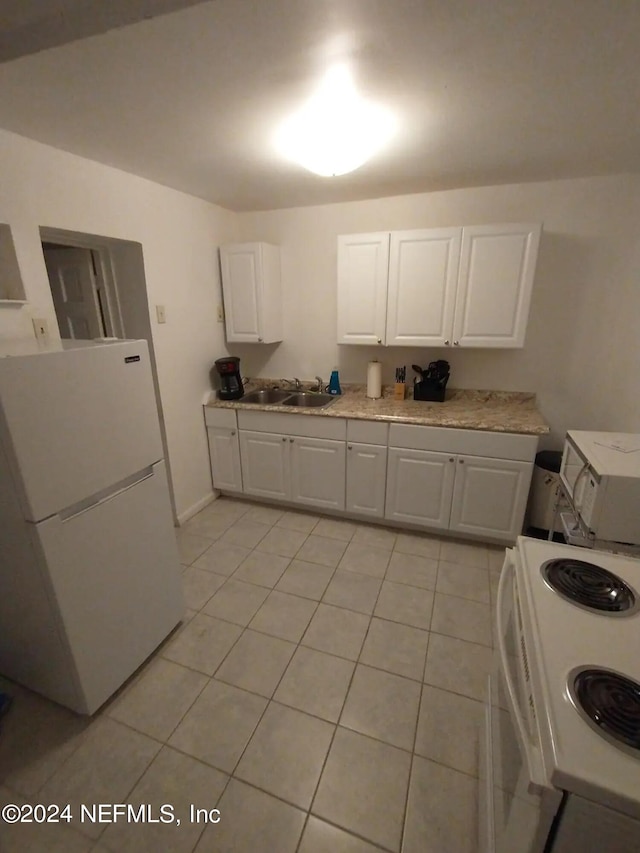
(76, 421)
(114, 575)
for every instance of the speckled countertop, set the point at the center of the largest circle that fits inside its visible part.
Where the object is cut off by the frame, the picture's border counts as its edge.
(495, 411)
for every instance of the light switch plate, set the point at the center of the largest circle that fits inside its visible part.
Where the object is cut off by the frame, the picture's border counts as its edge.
(41, 328)
(161, 314)
(220, 313)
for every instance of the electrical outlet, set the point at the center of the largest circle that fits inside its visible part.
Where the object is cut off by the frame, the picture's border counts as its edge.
(41, 328)
(220, 313)
(161, 314)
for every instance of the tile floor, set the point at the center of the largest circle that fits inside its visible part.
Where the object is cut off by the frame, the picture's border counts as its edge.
(323, 693)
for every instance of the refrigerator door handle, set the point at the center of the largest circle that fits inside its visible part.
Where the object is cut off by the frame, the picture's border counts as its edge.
(106, 494)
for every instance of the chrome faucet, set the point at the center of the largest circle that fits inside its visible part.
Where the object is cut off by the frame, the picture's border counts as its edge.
(320, 387)
(295, 382)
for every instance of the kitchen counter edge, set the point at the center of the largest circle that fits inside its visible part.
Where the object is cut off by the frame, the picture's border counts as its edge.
(504, 415)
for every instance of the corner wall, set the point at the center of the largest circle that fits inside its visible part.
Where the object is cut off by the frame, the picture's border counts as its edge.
(581, 352)
(42, 186)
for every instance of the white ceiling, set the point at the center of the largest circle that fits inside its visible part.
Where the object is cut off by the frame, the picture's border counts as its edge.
(490, 92)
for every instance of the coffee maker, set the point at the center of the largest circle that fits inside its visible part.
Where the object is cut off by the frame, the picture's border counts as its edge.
(231, 387)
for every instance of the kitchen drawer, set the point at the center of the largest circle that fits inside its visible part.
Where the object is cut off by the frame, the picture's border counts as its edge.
(497, 445)
(307, 426)
(367, 432)
(220, 417)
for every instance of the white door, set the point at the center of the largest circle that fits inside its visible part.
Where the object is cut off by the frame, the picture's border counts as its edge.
(490, 496)
(113, 570)
(241, 274)
(75, 295)
(317, 471)
(419, 487)
(224, 454)
(497, 268)
(366, 479)
(423, 272)
(265, 464)
(363, 265)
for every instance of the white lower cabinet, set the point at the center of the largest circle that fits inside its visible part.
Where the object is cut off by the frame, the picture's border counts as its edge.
(292, 466)
(265, 464)
(467, 494)
(490, 496)
(419, 487)
(317, 471)
(224, 450)
(462, 490)
(366, 479)
(470, 482)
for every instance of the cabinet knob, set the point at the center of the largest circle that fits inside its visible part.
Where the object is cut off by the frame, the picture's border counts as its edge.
(461, 461)
(284, 437)
(259, 340)
(349, 447)
(290, 441)
(379, 340)
(456, 343)
(446, 343)
(451, 459)
(233, 432)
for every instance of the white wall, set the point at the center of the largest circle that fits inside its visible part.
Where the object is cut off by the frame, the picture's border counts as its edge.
(42, 186)
(581, 354)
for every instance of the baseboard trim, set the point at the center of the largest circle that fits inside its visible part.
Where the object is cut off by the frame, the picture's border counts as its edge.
(183, 517)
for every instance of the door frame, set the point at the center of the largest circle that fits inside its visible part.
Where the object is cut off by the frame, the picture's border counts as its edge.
(103, 269)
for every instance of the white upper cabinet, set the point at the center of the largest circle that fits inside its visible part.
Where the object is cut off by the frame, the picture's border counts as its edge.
(363, 265)
(423, 271)
(252, 292)
(462, 287)
(497, 266)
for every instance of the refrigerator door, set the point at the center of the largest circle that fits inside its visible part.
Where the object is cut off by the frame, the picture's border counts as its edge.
(114, 575)
(76, 421)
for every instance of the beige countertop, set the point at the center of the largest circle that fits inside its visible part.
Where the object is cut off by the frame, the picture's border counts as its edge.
(495, 411)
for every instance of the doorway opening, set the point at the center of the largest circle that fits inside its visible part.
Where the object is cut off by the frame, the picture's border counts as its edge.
(84, 291)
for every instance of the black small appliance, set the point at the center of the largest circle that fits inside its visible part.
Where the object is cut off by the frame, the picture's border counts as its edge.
(433, 381)
(231, 387)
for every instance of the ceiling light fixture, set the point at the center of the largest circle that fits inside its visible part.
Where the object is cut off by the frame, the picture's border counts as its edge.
(336, 130)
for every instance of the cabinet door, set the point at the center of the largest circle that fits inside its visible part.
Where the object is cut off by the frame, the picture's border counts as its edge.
(224, 455)
(363, 265)
(242, 280)
(265, 464)
(497, 267)
(317, 471)
(490, 496)
(366, 479)
(419, 487)
(423, 274)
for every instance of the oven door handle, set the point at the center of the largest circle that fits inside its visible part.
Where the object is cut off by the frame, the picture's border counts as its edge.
(531, 754)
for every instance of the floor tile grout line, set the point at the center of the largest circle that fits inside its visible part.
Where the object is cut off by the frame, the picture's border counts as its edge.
(413, 755)
(299, 644)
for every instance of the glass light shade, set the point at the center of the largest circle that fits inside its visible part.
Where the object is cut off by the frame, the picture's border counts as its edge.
(336, 131)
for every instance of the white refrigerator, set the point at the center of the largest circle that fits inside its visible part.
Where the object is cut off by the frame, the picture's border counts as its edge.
(89, 572)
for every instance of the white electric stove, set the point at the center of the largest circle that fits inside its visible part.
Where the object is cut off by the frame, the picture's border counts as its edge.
(571, 636)
(561, 745)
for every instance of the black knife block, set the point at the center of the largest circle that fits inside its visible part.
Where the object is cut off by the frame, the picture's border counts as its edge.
(429, 390)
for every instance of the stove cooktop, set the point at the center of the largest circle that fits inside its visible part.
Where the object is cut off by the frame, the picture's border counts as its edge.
(585, 664)
(610, 703)
(589, 585)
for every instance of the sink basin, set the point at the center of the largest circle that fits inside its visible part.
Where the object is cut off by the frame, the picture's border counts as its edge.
(304, 398)
(265, 396)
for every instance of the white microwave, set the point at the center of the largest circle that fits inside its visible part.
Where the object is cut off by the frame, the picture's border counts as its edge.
(600, 475)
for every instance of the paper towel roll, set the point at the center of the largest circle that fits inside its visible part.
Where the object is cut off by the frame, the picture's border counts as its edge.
(374, 379)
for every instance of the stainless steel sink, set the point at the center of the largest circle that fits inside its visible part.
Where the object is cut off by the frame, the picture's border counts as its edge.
(265, 396)
(309, 399)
